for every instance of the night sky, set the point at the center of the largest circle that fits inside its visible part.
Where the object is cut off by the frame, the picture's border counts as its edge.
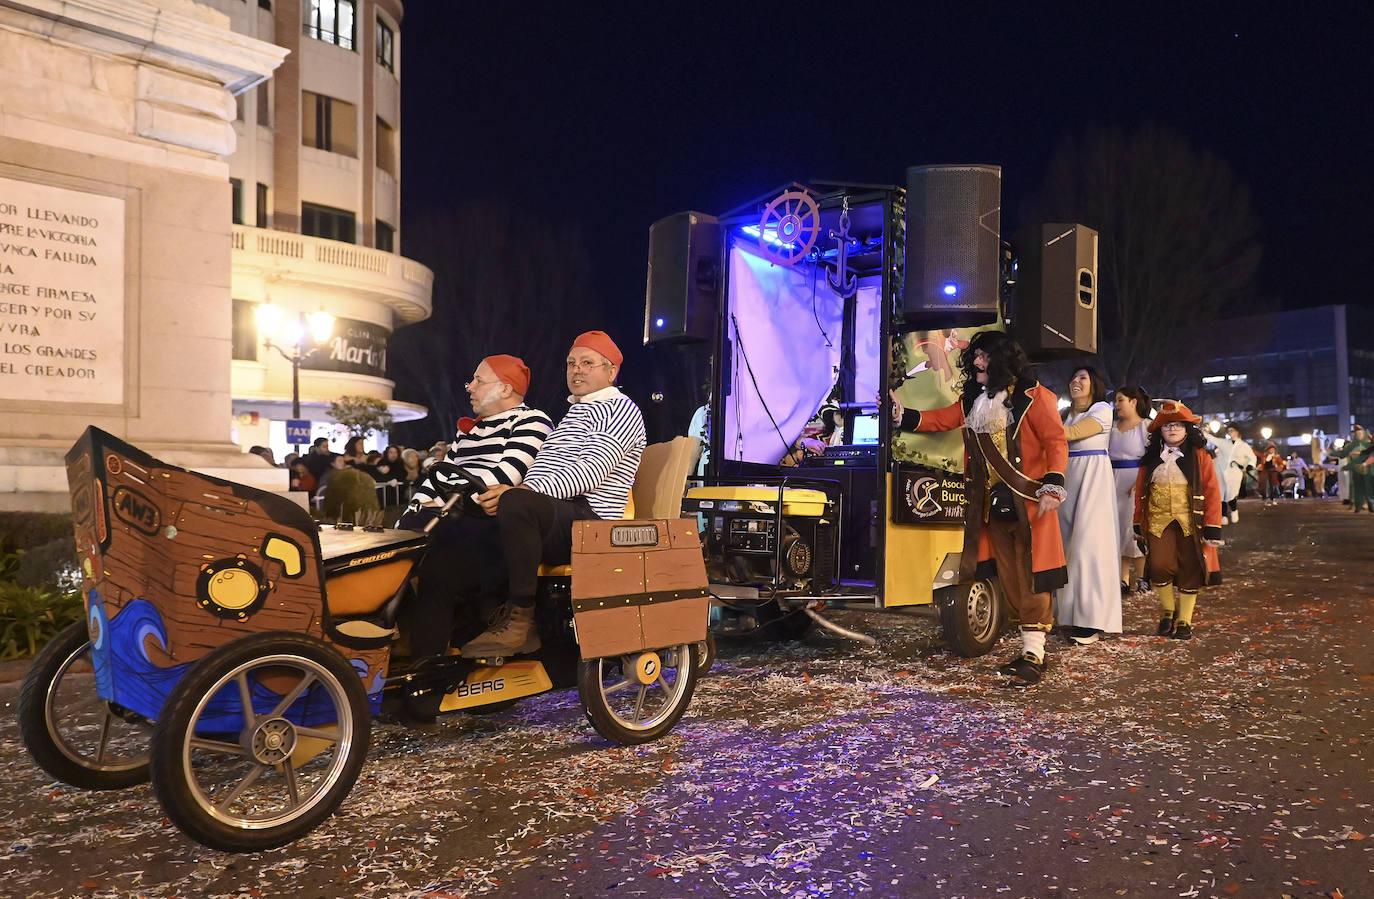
(609, 122)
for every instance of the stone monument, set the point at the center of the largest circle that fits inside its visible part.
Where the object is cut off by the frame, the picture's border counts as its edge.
(115, 310)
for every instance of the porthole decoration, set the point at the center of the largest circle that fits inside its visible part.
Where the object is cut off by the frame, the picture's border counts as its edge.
(232, 588)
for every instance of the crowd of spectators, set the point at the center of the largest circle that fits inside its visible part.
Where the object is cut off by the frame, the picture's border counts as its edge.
(399, 468)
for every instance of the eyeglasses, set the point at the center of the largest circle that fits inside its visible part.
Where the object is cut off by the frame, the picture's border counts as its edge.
(584, 365)
(480, 382)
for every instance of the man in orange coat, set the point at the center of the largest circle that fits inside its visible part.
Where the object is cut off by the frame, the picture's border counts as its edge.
(1015, 451)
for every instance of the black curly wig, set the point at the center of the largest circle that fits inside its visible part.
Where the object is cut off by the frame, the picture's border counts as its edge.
(1007, 363)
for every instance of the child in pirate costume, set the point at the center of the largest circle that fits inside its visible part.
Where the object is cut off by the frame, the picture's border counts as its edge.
(1015, 451)
(1178, 514)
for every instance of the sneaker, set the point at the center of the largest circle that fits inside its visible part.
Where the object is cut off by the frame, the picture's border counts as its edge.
(1166, 626)
(1026, 671)
(1125, 589)
(512, 633)
(1142, 585)
(1182, 631)
(1235, 517)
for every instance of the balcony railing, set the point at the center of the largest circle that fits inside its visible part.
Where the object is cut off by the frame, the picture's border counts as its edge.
(413, 280)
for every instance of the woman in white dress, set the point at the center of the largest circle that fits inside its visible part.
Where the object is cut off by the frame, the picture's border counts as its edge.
(1125, 447)
(1089, 605)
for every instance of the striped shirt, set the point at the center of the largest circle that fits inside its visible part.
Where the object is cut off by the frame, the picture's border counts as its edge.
(498, 449)
(594, 452)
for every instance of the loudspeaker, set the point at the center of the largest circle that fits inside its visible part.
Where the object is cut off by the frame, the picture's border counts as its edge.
(953, 242)
(684, 278)
(1055, 314)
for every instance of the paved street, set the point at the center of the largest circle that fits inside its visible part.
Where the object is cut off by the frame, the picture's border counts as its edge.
(1238, 764)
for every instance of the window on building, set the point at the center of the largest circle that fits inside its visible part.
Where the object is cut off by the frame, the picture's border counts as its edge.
(245, 331)
(386, 47)
(264, 96)
(386, 237)
(388, 149)
(237, 200)
(331, 21)
(262, 206)
(326, 221)
(329, 124)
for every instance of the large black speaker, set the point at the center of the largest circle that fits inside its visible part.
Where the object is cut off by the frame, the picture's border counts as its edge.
(684, 278)
(1055, 314)
(953, 243)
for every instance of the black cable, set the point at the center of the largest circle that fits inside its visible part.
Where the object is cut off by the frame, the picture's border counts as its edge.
(786, 447)
(814, 313)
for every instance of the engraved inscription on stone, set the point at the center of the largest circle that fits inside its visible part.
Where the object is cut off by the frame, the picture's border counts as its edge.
(61, 295)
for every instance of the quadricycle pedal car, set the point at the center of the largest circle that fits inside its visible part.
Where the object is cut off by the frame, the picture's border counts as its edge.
(237, 650)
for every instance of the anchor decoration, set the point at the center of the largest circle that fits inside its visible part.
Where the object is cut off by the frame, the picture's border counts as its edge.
(841, 278)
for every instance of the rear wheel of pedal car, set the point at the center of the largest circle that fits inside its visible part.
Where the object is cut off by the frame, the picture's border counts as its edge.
(260, 742)
(782, 624)
(628, 711)
(72, 733)
(971, 615)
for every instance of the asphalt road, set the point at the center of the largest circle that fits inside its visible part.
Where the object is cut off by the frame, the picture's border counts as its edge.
(1238, 764)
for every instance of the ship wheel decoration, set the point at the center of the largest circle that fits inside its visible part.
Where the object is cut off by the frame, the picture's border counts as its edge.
(789, 227)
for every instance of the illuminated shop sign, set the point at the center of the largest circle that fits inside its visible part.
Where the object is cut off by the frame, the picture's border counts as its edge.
(357, 347)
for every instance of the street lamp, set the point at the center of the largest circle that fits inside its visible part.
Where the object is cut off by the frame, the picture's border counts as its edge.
(272, 322)
(1266, 432)
(1214, 426)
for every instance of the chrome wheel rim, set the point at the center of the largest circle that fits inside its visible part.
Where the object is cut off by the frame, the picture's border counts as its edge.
(85, 728)
(250, 778)
(642, 707)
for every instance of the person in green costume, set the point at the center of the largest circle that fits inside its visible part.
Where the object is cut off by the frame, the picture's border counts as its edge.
(1358, 453)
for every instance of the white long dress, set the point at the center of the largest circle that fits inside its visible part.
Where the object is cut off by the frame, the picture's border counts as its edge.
(1087, 519)
(1125, 450)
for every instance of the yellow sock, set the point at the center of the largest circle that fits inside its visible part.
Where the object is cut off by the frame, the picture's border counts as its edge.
(1166, 598)
(1186, 600)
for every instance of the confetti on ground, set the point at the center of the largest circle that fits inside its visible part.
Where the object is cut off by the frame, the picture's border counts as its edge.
(1236, 764)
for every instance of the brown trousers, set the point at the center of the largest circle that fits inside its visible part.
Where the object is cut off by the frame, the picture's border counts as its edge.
(1173, 559)
(1010, 551)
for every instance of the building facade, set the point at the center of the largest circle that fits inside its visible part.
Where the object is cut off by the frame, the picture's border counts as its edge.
(1300, 373)
(316, 213)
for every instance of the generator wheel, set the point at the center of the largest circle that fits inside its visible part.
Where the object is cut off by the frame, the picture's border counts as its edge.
(706, 654)
(971, 615)
(72, 733)
(633, 698)
(232, 770)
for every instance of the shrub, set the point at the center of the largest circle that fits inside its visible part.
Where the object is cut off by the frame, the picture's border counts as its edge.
(52, 566)
(31, 616)
(350, 495)
(25, 530)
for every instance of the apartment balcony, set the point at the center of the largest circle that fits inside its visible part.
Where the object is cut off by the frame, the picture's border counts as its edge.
(332, 267)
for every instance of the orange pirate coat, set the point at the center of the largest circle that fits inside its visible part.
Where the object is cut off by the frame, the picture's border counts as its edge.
(1038, 449)
(1204, 505)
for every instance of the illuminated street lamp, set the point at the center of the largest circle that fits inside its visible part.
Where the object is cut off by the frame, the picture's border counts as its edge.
(273, 323)
(1214, 426)
(1266, 432)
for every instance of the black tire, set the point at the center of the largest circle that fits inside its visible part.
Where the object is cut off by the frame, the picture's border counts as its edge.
(626, 712)
(228, 782)
(971, 615)
(782, 624)
(72, 733)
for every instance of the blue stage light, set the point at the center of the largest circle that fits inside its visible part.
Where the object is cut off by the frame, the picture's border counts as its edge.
(951, 289)
(753, 231)
(658, 323)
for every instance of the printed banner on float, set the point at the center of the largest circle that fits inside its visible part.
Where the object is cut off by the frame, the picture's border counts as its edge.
(357, 347)
(925, 495)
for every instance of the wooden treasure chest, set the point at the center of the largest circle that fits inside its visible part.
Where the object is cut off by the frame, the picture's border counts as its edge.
(637, 585)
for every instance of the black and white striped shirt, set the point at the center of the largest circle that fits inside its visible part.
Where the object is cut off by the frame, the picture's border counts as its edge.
(594, 452)
(498, 449)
